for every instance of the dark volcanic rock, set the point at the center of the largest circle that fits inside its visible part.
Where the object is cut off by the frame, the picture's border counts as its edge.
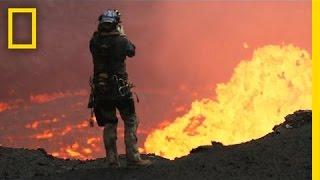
(284, 155)
(214, 144)
(200, 149)
(295, 120)
(298, 118)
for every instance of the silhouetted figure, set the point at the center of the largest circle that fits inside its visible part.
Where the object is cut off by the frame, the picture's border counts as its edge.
(109, 47)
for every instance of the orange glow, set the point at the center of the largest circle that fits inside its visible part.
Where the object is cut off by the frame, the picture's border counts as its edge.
(76, 150)
(44, 98)
(245, 45)
(35, 124)
(73, 153)
(93, 140)
(66, 130)
(81, 93)
(164, 123)
(276, 82)
(12, 104)
(79, 151)
(75, 146)
(47, 134)
(87, 150)
(52, 121)
(55, 154)
(141, 150)
(3, 106)
(83, 124)
(180, 109)
(195, 122)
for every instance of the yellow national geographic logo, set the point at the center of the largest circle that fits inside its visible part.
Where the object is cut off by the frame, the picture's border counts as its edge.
(33, 12)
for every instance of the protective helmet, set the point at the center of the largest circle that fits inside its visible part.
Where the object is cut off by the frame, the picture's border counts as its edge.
(110, 16)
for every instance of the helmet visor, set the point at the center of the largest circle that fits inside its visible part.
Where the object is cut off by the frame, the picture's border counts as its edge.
(107, 19)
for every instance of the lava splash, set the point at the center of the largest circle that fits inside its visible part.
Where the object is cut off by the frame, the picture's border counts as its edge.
(275, 82)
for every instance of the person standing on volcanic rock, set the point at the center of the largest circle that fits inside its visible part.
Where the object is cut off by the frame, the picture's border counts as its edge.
(111, 89)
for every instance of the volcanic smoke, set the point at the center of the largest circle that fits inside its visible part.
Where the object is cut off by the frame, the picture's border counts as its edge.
(274, 83)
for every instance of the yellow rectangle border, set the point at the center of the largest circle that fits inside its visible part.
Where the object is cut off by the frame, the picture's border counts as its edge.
(33, 12)
(315, 89)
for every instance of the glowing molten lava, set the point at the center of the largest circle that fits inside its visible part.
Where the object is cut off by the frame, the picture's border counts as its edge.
(276, 82)
(44, 98)
(3, 106)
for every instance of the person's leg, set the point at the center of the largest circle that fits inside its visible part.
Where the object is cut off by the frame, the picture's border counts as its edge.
(106, 116)
(128, 114)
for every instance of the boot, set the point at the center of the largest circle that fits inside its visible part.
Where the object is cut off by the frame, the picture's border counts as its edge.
(140, 162)
(130, 136)
(110, 143)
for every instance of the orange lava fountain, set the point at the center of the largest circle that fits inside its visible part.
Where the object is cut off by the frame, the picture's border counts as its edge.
(276, 82)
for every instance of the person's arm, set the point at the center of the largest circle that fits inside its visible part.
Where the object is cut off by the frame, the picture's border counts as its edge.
(91, 46)
(91, 42)
(130, 49)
